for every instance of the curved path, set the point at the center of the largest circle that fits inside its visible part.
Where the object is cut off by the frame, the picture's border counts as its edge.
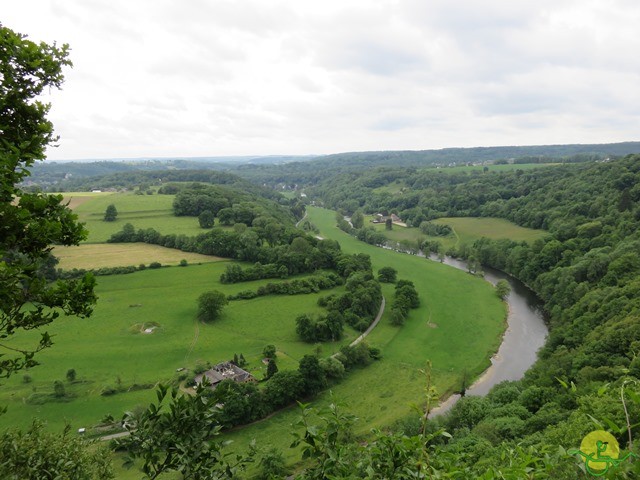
(370, 328)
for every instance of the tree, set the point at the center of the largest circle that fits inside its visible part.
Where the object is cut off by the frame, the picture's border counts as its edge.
(503, 289)
(388, 224)
(387, 274)
(178, 434)
(312, 374)
(31, 222)
(357, 220)
(71, 375)
(36, 454)
(58, 389)
(111, 213)
(269, 351)
(206, 219)
(210, 305)
(272, 368)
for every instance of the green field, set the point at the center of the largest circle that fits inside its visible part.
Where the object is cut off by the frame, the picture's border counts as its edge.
(457, 327)
(466, 230)
(469, 229)
(109, 348)
(96, 255)
(142, 211)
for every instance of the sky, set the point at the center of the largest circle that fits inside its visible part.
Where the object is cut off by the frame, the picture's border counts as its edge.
(162, 78)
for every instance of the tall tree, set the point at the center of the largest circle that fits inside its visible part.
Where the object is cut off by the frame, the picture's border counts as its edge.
(31, 222)
(178, 435)
(111, 213)
(210, 305)
(206, 219)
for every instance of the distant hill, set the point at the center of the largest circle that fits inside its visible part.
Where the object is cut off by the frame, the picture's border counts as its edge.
(305, 170)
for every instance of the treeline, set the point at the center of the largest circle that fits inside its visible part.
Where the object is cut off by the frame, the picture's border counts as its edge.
(247, 402)
(290, 248)
(352, 164)
(299, 286)
(230, 205)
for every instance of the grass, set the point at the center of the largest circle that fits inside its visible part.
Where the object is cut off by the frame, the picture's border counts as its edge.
(89, 255)
(469, 229)
(470, 321)
(466, 230)
(108, 349)
(142, 211)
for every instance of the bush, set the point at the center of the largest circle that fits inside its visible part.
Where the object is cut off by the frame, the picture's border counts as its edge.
(155, 265)
(108, 390)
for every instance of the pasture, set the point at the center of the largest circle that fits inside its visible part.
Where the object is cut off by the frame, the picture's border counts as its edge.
(142, 211)
(110, 351)
(94, 255)
(465, 230)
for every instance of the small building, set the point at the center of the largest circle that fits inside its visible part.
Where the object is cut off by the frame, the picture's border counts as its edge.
(225, 371)
(379, 218)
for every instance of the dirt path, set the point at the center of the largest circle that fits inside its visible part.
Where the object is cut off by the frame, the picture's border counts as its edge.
(195, 340)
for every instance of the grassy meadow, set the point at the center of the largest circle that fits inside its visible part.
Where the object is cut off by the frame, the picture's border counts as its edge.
(142, 211)
(110, 349)
(465, 230)
(97, 255)
(457, 327)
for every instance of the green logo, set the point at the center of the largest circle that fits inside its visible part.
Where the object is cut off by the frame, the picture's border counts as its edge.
(600, 451)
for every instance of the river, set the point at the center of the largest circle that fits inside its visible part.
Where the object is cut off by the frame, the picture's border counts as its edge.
(525, 334)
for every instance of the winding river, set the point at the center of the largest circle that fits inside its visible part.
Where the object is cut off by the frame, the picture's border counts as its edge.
(525, 334)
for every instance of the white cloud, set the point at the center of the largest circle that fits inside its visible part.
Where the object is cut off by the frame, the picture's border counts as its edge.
(162, 78)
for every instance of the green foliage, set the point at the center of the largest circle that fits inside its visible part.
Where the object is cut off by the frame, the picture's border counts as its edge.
(435, 230)
(31, 222)
(36, 454)
(269, 351)
(387, 274)
(272, 465)
(357, 220)
(206, 219)
(316, 328)
(111, 213)
(179, 434)
(71, 375)
(272, 368)
(312, 374)
(210, 305)
(503, 289)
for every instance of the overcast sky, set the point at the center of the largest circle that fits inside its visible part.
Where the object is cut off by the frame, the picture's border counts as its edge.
(162, 78)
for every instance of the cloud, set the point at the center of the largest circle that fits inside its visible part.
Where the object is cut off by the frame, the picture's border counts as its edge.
(161, 78)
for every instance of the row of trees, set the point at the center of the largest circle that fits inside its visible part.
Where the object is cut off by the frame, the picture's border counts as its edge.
(291, 251)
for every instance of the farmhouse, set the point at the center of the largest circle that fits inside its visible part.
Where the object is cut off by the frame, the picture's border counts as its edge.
(225, 371)
(379, 218)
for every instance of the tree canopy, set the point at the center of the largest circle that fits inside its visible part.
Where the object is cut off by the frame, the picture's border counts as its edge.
(31, 223)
